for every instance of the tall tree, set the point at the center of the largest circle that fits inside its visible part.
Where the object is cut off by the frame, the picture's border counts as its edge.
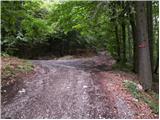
(150, 30)
(157, 44)
(124, 34)
(144, 68)
(157, 61)
(118, 43)
(124, 41)
(129, 43)
(134, 35)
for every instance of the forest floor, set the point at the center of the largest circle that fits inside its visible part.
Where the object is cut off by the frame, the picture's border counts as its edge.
(74, 88)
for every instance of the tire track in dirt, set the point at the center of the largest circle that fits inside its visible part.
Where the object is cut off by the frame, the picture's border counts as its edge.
(61, 89)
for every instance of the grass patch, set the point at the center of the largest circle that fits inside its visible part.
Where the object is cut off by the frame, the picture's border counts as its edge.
(150, 97)
(11, 70)
(3, 54)
(13, 67)
(132, 88)
(25, 67)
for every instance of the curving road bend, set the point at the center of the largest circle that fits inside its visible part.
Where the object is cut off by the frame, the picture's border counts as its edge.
(61, 89)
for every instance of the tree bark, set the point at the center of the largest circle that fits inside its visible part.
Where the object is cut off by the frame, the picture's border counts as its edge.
(157, 57)
(157, 65)
(135, 45)
(144, 68)
(118, 43)
(124, 35)
(150, 30)
(124, 42)
(129, 43)
(157, 48)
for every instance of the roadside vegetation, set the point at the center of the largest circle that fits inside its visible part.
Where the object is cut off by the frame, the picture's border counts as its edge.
(150, 97)
(12, 68)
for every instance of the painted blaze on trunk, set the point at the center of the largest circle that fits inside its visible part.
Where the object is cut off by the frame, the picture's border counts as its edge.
(144, 66)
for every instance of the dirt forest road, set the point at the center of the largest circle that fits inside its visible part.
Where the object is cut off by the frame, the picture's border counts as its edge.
(65, 89)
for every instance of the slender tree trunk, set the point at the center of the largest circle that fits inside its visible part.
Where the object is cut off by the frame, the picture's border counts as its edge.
(157, 49)
(135, 48)
(157, 65)
(157, 57)
(124, 42)
(150, 30)
(118, 43)
(144, 68)
(129, 43)
(124, 36)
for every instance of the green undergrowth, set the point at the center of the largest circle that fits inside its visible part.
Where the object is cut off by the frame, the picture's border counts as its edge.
(26, 67)
(13, 67)
(10, 71)
(3, 54)
(149, 97)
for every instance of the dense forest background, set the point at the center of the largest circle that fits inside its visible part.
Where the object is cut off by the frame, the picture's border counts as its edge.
(31, 29)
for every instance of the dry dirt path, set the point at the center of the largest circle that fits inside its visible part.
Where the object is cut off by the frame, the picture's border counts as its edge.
(60, 89)
(67, 89)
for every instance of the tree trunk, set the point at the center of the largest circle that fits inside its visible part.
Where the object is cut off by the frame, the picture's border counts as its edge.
(144, 68)
(135, 48)
(157, 59)
(118, 44)
(124, 42)
(150, 30)
(124, 35)
(157, 48)
(129, 43)
(157, 65)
